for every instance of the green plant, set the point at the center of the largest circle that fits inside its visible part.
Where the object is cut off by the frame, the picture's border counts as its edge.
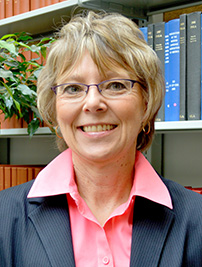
(18, 76)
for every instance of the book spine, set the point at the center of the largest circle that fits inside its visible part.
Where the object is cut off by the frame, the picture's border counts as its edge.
(2, 9)
(201, 68)
(159, 47)
(2, 178)
(16, 7)
(37, 171)
(8, 178)
(194, 65)
(174, 69)
(150, 35)
(24, 6)
(167, 98)
(34, 4)
(9, 8)
(48, 2)
(42, 3)
(183, 67)
(30, 174)
(2, 117)
(21, 175)
(144, 31)
(13, 176)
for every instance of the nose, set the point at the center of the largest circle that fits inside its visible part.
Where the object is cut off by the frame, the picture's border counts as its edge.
(94, 101)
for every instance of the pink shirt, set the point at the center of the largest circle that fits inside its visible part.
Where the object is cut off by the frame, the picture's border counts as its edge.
(93, 244)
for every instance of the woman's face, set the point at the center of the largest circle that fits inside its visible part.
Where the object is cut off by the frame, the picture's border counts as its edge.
(97, 128)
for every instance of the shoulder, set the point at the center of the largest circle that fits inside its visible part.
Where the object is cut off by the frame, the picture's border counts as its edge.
(180, 194)
(18, 191)
(15, 197)
(187, 205)
(187, 226)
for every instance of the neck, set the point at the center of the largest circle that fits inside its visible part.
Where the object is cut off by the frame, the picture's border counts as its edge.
(104, 186)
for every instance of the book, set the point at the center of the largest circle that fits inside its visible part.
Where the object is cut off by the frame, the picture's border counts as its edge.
(37, 171)
(183, 67)
(159, 48)
(34, 4)
(21, 175)
(8, 177)
(174, 69)
(8, 8)
(167, 93)
(144, 31)
(14, 176)
(1, 178)
(30, 174)
(42, 3)
(2, 9)
(16, 7)
(48, 2)
(201, 68)
(24, 6)
(150, 35)
(194, 65)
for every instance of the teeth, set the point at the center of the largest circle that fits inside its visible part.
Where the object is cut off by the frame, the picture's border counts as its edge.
(98, 128)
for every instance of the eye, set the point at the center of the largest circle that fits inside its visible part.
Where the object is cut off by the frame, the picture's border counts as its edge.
(72, 89)
(116, 86)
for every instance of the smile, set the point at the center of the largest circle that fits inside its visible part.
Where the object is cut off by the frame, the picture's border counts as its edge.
(98, 128)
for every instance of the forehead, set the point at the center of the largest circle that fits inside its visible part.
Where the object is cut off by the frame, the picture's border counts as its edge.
(87, 67)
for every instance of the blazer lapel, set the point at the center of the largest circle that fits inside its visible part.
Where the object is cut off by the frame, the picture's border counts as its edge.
(51, 221)
(151, 224)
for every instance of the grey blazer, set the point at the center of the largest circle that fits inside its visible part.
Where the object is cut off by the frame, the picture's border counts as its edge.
(36, 232)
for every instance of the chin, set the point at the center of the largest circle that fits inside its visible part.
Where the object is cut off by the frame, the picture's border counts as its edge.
(97, 155)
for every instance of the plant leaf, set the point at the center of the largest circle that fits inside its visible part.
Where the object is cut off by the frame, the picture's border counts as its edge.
(25, 90)
(33, 126)
(9, 46)
(6, 74)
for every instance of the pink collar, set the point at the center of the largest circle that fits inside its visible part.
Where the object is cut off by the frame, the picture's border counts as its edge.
(58, 178)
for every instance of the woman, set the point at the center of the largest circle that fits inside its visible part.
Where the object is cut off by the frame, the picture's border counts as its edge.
(100, 203)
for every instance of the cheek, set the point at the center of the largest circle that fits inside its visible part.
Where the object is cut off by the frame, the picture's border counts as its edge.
(133, 111)
(64, 113)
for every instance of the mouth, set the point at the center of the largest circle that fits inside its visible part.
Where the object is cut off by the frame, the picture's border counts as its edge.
(98, 128)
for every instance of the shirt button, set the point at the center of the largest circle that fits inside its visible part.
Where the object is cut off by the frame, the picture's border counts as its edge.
(105, 260)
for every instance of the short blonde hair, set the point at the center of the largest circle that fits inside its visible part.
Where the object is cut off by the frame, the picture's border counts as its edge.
(113, 41)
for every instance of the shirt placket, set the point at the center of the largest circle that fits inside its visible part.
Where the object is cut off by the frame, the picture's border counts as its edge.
(104, 253)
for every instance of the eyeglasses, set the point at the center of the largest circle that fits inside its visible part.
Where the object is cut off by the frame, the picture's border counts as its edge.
(113, 88)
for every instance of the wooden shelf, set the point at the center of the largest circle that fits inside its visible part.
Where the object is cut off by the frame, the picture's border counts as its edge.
(39, 21)
(49, 18)
(174, 126)
(23, 132)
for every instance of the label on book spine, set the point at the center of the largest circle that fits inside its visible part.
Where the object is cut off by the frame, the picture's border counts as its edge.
(194, 65)
(159, 47)
(150, 35)
(174, 69)
(167, 94)
(183, 67)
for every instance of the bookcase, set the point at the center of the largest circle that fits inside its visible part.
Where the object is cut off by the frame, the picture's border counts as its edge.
(177, 146)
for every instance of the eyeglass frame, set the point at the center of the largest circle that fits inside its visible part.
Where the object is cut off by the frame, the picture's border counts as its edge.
(53, 88)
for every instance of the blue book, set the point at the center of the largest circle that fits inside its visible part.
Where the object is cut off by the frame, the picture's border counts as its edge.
(201, 67)
(144, 31)
(174, 69)
(167, 99)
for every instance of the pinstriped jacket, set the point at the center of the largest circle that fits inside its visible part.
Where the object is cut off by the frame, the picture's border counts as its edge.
(36, 232)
